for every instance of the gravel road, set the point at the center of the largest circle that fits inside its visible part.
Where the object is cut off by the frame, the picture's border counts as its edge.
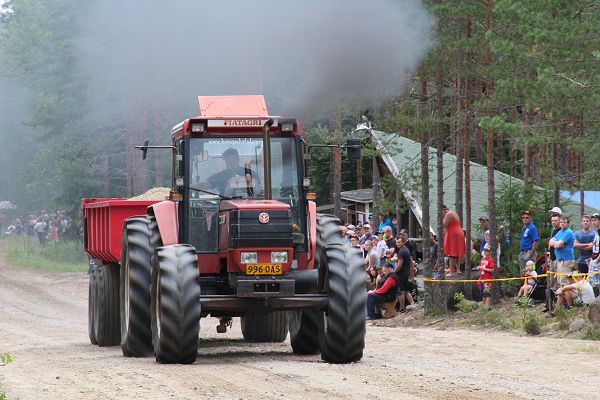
(43, 323)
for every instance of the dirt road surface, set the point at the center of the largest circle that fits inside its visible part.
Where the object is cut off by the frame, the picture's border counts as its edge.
(43, 323)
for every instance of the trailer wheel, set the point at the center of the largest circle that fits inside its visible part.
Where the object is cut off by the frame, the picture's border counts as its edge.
(306, 329)
(175, 304)
(106, 308)
(265, 328)
(140, 238)
(92, 290)
(342, 275)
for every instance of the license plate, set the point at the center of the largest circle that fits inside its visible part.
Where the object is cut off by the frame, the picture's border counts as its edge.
(263, 269)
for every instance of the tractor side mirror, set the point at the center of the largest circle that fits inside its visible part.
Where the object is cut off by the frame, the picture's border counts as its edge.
(144, 149)
(353, 148)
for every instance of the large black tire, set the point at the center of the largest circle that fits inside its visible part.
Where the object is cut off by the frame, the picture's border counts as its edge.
(92, 291)
(265, 328)
(140, 238)
(175, 304)
(306, 329)
(342, 274)
(106, 307)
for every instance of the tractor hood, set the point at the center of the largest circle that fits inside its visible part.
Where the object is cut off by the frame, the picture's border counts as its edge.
(253, 205)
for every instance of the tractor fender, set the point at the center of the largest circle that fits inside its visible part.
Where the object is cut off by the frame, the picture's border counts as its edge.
(312, 233)
(165, 213)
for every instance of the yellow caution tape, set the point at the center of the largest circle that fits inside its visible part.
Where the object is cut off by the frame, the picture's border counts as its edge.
(586, 275)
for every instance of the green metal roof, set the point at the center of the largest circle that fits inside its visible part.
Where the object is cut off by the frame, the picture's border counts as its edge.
(403, 157)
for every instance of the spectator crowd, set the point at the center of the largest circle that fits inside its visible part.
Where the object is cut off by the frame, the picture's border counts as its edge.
(46, 227)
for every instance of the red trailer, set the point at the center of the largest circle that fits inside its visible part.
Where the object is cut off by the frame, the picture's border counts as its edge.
(238, 236)
(103, 225)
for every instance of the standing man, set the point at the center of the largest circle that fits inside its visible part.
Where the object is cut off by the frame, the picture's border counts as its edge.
(529, 240)
(402, 271)
(563, 243)
(485, 226)
(555, 221)
(583, 243)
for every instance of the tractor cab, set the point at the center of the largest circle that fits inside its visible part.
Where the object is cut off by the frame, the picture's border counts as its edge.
(239, 174)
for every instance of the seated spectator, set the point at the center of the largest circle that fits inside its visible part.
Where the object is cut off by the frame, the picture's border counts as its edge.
(580, 291)
(530, 274)
(385, 292)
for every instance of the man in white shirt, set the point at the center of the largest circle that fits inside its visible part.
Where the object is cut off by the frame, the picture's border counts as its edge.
(580, 287)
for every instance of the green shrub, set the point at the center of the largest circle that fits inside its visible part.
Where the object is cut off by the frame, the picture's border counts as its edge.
(591, 331)
(533, 323)
(435, 311)
(463, 305)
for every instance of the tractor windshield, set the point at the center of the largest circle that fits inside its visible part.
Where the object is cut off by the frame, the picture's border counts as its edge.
(233, 167)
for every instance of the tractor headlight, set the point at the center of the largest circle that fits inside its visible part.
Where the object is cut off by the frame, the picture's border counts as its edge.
(248, 257)
(278, 257)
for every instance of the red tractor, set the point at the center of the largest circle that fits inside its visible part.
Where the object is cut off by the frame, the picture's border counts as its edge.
(237, 236)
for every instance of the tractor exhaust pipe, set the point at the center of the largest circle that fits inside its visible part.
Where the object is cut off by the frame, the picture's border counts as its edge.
(267, 158)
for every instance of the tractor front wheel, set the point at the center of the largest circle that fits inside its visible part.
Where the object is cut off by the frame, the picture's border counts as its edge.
(175, 304)
(341, 276)
(140, 238)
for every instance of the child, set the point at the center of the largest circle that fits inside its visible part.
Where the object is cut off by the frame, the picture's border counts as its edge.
(530, 274)
(486, 268)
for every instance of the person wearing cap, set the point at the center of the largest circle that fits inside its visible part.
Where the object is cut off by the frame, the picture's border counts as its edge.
(555, 211)
(367, 234)
(384, 292)
(563, 247)
(529, 276)
(485, 226)
(529, 240)
(594, 268)
(583, 243)
(486, 273)
(580, 289)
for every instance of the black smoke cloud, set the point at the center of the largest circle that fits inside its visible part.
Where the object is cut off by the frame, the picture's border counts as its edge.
(305, 56)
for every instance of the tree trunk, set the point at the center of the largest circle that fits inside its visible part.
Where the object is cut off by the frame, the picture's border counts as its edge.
(337, 181)
(490, 152)
(425, 225)
(467, 161)
(376, 189)
(459, 154)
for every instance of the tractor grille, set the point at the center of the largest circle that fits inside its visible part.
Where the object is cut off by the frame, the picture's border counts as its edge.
(247, 231)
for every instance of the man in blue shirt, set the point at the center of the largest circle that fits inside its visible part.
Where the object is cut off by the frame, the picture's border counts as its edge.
(529, 240)
(563, 243)
(583, 243)
(485, 222)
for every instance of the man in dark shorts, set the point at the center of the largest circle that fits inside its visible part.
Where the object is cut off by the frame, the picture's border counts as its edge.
(402, 271)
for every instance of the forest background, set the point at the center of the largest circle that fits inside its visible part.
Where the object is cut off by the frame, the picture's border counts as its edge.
(506, 83)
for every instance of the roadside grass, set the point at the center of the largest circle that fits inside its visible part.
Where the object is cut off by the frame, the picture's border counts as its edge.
(4, 359)
(25, 251)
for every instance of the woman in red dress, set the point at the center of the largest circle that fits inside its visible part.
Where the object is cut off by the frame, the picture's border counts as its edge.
(454, 239)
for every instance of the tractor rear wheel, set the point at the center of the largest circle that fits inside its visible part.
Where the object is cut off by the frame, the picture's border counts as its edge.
(92, 290)
(306, 329)
(140, 238)
(175, 304)
(342, 277)
(265, 328)
(106, 307)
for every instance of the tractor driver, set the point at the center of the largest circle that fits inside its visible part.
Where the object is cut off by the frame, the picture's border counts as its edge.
(234, 176)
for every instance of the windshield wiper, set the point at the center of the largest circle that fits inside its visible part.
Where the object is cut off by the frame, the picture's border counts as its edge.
(214, 194)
